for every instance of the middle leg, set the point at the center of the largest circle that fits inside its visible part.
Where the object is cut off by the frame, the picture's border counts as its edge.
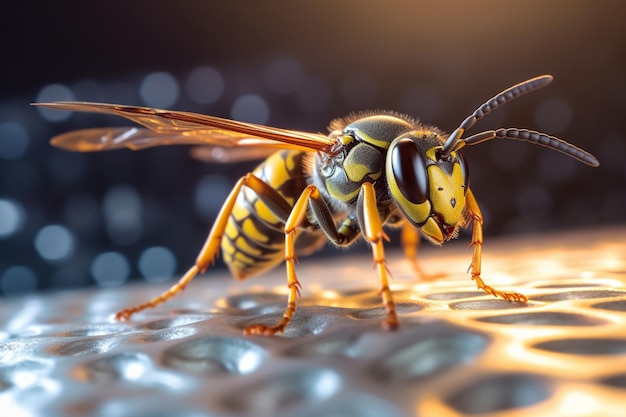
(410, 242)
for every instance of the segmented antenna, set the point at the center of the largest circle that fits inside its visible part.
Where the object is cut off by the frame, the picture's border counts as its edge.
(455, 142)
(536, 138)
(492, 104)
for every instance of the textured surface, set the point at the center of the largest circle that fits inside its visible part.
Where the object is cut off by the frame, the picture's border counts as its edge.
(458, 351)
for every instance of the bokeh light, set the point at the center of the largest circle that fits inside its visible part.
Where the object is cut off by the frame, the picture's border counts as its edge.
(205, 85)
(250, 108)
(122, 208)
(13, 140)
(55, 243)
(283, 75)
(54, 92)
(18, 279)
(12, 217)
(209, 195)
(157, 264)
(110, 269)
(159, 89)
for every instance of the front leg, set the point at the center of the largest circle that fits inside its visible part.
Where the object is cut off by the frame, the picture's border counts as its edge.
(477, 243)
(371, 225)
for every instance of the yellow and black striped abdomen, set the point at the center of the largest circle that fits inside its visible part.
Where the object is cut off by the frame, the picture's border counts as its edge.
(254, 239)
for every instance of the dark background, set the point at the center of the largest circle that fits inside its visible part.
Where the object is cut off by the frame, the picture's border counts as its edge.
(309, 62)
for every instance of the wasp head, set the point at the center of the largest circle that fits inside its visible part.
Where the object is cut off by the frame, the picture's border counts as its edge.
(428, 185)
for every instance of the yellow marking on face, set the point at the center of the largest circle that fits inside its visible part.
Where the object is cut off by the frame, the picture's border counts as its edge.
(252, 232)
(446, 193)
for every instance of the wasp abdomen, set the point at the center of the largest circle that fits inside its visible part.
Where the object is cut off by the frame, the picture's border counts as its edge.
(254, 239)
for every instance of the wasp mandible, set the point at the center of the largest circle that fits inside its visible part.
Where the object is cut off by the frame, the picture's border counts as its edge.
(372, 170)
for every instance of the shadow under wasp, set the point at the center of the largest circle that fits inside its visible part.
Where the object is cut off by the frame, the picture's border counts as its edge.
(373, 169)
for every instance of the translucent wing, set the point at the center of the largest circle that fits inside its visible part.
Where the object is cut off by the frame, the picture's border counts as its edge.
(166, 127)
(218, 154)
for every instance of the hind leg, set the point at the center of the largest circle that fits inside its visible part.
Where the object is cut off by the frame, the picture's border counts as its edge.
(211, 246)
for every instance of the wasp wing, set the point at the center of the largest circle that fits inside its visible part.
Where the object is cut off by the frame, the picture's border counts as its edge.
(166, 127)
(222, 155)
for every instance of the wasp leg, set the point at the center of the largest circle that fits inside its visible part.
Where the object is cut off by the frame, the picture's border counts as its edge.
(345, 235)
(295, 219)
(410, 239)
(369, 218)
(211, 246)
(477, 242)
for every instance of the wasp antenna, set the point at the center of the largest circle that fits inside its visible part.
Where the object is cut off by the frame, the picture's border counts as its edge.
(536, 138)
(492, 104)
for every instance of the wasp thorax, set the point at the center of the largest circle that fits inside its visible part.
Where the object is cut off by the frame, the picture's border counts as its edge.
(428, 188)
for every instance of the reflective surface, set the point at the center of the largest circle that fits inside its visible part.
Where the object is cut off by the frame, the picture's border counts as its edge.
(458, 351)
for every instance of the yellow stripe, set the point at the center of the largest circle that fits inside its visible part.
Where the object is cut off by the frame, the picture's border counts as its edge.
(339, 195)
(239, 212)
(367, 138)
(231, 230)
(243, 245)
(250, 230)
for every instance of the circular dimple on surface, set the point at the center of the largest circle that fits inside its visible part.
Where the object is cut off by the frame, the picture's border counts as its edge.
(430, 356)
(355, 405)
(575, 346)
(252, 302)
(615, 381)
(344, 343)
(4, 384)
(83, 346)
(174, 322)
(165, 334)
(379, 312)
(301, 388)
(453, 295)
(579, 295)
(544, 319)
(93, 330)
(129, 366)
(618, 305)
(490, 304)
(215, 355)
(499, 392)
(24, 373)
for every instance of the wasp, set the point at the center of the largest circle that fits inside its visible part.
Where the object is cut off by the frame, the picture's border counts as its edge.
(372, 170)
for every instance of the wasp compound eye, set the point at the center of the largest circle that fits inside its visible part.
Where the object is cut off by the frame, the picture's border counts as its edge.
(409, 171)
